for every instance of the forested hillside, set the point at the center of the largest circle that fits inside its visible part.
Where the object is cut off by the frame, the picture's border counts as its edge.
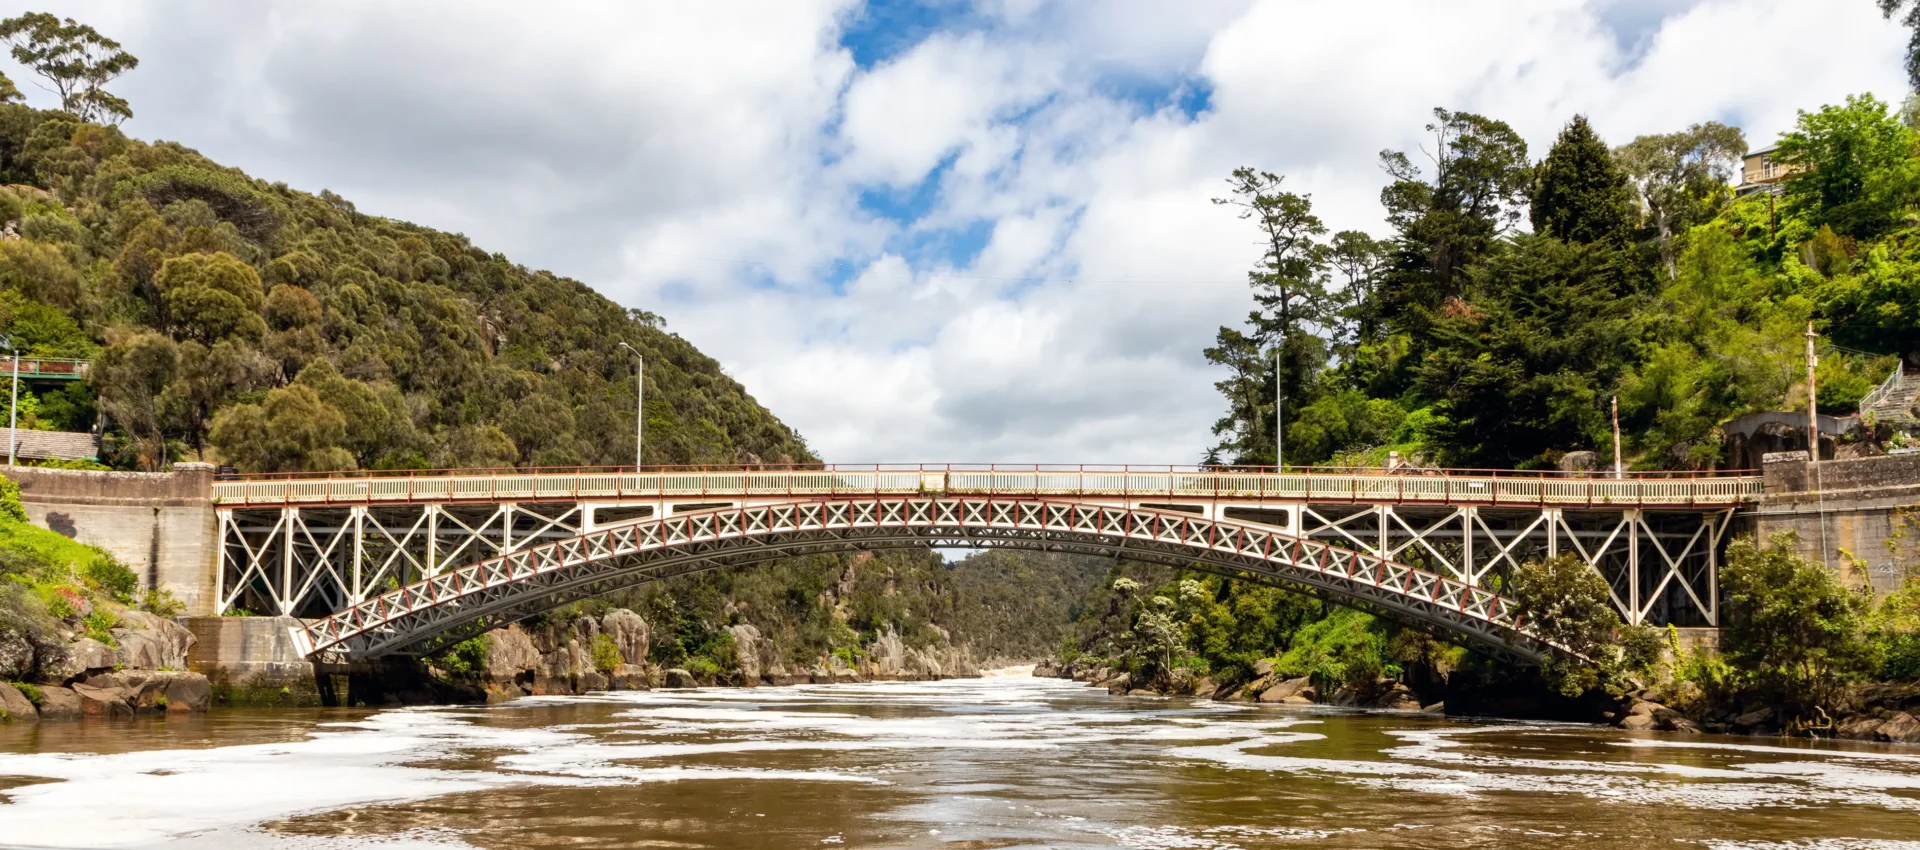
(1466, 338)
(1512, 302)
(246, 322)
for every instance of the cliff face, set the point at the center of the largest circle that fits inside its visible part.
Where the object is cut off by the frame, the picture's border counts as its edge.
(610, 652)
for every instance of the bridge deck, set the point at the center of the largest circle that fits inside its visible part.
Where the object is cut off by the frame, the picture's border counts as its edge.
(1454, 487)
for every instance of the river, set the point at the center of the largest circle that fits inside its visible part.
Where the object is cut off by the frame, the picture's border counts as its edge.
(986, 763)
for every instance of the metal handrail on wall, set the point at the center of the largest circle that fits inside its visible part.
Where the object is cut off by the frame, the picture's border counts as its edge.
(1481, 487)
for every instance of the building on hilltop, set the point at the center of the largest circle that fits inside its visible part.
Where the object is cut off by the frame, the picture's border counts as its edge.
(1760, 172)
(53, 445)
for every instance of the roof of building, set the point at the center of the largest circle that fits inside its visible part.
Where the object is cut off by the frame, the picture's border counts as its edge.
(53, 445)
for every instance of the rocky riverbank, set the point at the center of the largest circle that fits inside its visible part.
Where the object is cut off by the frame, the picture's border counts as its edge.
(612, 652)
(1875, 712)
(1879, 712)
(66, 674)
(1266, 687)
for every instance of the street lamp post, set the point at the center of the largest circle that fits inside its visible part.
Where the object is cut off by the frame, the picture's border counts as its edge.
(639, 400)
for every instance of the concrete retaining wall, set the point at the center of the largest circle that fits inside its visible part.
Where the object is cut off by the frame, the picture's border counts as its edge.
(160, 524)
(251, 661)
(1860, 517)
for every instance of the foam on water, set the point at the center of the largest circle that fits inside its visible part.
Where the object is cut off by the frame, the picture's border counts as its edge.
(221, 795)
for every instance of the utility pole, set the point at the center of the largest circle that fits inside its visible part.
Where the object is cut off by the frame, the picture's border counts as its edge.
(1619, 471)
(639, 401)
(1813, 418)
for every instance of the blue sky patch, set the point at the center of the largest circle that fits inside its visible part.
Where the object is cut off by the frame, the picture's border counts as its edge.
(882, 29)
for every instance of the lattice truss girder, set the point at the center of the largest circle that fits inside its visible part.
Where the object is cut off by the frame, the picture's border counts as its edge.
(450, 604)
(313, 560)
(1661, 566)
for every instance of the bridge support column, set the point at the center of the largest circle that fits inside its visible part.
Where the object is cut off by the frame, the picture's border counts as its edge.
(1635, 523)
(357, 518)
(1552, 518)
(283, 595)
(433, 540)
(1467, 571)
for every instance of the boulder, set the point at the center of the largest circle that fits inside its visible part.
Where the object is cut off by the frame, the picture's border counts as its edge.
(58, 703)
(1580, 461)
(1436, 708)
(887, 656)
(189, 692)
(15, 705)
(1279, 691)
(1758, 717)
(1204, 687)
(1901, 728)
(593, 680)
(1861, 728)
(1637, 722)
(678, 678)
(152, 642)
(509, 654)
(755, 653)
(88, 654)
(1398, 697)
(1119, 684)
(629, 677)
(1677, 723)
(1263, 668)
(16, 655)
(104, 702)
(629, 632)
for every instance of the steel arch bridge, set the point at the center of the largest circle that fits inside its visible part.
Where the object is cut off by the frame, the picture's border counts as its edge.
(386, 564)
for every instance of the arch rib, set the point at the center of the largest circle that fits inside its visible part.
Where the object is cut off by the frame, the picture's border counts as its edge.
(507, 587)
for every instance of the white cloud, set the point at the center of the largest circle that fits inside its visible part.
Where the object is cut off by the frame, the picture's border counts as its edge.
(705, 160)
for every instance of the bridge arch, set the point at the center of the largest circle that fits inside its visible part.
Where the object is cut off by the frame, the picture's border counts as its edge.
(469, 600)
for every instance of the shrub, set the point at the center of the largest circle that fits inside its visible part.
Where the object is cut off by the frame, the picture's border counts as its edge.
(606, 654)
(10, 507)
(100, 625)
(467, 658)
(161, 601)
(1789, 624)
(31, 691)
(705, 667)
(106, 574)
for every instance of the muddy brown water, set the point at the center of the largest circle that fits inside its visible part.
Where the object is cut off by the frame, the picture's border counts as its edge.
(989, 763)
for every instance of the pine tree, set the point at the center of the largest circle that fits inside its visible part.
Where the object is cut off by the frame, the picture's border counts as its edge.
(1579, 194)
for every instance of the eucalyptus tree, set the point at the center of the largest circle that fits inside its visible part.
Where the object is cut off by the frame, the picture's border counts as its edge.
(75, 59)
(1682, 178)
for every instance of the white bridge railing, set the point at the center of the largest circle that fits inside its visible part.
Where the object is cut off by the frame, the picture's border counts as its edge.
(1478, 487)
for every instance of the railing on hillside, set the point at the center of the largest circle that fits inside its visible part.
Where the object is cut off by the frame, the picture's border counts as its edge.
(1886, 388)
(1455, 486)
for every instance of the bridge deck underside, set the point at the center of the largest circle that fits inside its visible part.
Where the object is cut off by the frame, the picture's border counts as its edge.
(310, 561)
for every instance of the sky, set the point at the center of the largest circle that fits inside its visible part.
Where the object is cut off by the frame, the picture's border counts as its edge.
(936, 230)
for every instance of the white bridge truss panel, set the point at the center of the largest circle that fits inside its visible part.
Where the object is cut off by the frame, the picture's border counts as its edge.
(315, 561)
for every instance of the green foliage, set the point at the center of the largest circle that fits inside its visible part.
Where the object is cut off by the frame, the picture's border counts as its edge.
(75, 59)
(31, 691)
(161, 601)
(1578, 195)
(1348, 647)
(466, 659)
(606, 654)
(1856, 167)
(1789, 625)
(106, 574)
(1568, 604)
(100, 624)
(10, 507)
